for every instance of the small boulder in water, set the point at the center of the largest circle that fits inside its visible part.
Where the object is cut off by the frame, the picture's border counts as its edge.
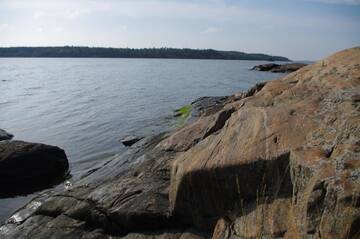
(5, 135)
(130, 140)
(28, 167)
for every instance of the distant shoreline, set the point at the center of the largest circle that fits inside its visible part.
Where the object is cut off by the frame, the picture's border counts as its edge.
(146, 53)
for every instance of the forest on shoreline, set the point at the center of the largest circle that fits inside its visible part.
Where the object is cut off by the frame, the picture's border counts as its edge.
(101, 52)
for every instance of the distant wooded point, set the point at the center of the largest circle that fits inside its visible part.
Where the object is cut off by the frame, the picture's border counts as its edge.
(101, 52)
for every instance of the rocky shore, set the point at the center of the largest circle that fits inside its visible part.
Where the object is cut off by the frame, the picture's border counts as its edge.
(279, 161)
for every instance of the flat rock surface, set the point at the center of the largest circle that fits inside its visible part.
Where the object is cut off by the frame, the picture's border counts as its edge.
(279, 161)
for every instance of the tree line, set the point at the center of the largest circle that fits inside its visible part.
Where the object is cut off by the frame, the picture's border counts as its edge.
(89, 52)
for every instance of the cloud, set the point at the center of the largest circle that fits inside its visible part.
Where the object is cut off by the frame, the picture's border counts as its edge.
(4, 26)
(67, 14)
(217, 24)
(58, 29)
(175, 10)
(124, 28)
(344, 2)
(212, 30)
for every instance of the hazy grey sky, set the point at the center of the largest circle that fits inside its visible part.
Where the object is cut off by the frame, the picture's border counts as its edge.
(299, 29)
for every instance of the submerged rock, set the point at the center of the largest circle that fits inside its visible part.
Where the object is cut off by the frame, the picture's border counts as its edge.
(279, 161)
(27, 167)
(130, 140)
(279, 68)
(5, 135)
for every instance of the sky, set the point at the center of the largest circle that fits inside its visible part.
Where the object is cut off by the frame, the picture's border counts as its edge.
(298, 29)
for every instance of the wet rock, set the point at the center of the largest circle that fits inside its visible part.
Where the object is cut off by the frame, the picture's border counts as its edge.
(208, 105)
(279, 68)
(5, 135)
(130, 140)
(27, 167)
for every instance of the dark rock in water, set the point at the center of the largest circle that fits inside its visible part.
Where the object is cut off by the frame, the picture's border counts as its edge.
(265, 67)
(277, 68)
(5, 135)
(27, 167)
(130, 140)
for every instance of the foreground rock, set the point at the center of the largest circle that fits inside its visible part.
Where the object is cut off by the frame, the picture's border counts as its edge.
(5, 135)
(28, 167)
(279, 161)
(279, 68)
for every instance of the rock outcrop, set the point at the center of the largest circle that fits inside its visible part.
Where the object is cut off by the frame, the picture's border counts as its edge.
(279, 68)
(296, 140)
(279, 161)
(5, 135)
(28, 167)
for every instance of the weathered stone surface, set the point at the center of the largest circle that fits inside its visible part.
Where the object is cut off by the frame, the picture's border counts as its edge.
(5, 135)
(262, 220)
(272, 67)
(279, 161)
(298, 137)
(27, 167)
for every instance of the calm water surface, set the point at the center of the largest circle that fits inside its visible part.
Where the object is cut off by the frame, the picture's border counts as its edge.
(86, 105)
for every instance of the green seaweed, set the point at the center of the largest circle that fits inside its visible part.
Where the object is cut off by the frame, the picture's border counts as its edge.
(182, 115)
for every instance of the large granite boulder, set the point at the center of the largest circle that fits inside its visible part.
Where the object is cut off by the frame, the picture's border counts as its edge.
(286, 163)
(27, 167)
(279, 161)
(5, 135)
